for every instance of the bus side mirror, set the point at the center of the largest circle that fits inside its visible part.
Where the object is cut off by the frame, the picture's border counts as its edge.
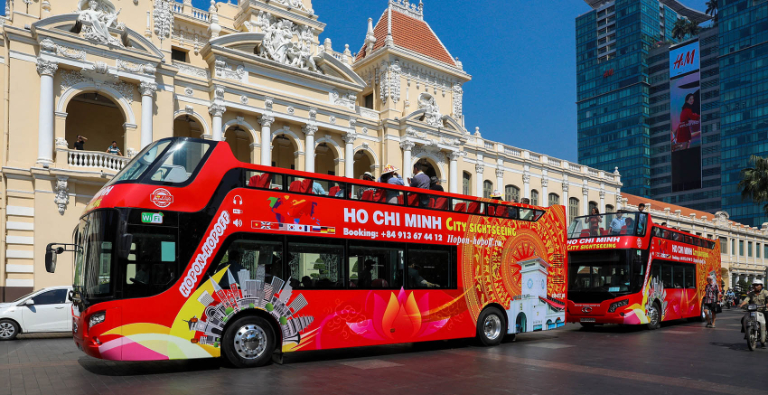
(50, 257)
(124, 246)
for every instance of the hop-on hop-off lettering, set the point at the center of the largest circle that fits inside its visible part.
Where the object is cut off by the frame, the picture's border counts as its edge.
(202, 258)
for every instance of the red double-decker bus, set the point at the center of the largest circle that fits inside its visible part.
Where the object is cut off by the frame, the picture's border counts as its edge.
(188, 253)
(625, 269)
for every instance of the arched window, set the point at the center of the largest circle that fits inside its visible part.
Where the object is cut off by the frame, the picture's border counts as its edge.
(591, 206)
(466, 182)
(487, 189)
(609, 208)
(554, 199)
(511, 193)
(534, 197)
(573, 208)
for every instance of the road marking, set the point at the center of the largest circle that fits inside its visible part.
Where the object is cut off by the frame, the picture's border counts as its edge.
(620, 374)
(371, 364)
(553, 346)
(679, 332)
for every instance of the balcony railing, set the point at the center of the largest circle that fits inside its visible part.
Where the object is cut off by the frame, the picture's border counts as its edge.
(92, 160)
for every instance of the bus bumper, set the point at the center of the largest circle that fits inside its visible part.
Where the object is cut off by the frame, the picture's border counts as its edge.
(96, 338)
(594, 313)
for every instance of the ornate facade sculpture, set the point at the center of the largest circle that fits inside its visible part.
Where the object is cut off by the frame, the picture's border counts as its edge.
(389, 81)
(458, 105)
(347, 99)
(432, 114)
(98, 17)
(62, 194)
(163, 19)
(287, 43)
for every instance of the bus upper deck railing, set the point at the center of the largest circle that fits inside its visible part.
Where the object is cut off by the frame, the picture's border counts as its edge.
(376, 192)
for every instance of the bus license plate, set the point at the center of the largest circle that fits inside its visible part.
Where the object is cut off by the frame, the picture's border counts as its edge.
(587, 320)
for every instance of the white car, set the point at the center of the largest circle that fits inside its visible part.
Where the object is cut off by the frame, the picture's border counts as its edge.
(46, 310)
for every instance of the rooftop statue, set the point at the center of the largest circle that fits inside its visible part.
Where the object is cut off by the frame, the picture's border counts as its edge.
(99, 16)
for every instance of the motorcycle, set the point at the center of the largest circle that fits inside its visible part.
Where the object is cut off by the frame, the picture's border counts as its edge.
(755, 325)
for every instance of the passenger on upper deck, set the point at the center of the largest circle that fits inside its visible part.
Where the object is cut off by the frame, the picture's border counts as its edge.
(618, 223)
(390, 176)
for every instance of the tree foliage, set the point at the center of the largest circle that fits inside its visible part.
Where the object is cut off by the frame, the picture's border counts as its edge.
(754, 181)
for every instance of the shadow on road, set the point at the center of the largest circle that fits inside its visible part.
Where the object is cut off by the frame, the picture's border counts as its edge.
(115, 368)
(616, 328)
(741, 346)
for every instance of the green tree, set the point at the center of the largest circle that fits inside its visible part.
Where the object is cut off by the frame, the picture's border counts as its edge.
(680, 29)
(712, 9)
(692, 29)
(754, 181)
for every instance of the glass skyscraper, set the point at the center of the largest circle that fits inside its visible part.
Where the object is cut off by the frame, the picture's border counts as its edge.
(613, 90)
(743, 31)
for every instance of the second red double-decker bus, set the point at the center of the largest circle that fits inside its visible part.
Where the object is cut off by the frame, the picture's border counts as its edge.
(188, 253)
(624, 269)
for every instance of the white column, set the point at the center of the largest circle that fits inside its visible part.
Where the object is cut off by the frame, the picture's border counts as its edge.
(526, 185)
(217, 112)
(147, 90)
(564, 202)
(585, 200)
(407, 146)
(500, 180)
(46, 70)
(544, 198)
(479, 184)
(309, 150)
(266, 122)
(349, 154)
(602, 201)
(453, 182)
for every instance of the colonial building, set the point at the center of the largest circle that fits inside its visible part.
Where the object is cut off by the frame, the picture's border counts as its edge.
(256, 75)
(743, 249)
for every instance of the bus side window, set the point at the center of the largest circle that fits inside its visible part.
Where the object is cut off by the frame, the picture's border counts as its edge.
(316, 263)
(666, 275)
(249, 254)
(678, 276)
(690, 277)
(375, 265)
(430, 267)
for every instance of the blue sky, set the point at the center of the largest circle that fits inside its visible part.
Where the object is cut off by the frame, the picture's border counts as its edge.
(521, 55)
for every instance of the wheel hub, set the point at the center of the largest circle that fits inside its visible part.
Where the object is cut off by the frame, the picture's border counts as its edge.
(492, 327)
(6, 330)
(250, 341)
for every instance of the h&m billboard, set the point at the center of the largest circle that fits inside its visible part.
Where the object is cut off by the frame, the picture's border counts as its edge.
(685, 111)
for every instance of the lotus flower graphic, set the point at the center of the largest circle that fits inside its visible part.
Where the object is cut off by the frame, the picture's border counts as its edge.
(399, 319)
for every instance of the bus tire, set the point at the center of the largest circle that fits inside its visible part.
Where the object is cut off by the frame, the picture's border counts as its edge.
(9, 329)
(490, 327)
(249, 342)
(654, 316)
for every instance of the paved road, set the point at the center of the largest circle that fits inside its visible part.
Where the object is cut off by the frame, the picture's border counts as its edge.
(680, 358)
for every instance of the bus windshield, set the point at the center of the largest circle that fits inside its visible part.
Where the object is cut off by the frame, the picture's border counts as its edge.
(168, 161)
(606, 272)
(95, 237)
(611, 224)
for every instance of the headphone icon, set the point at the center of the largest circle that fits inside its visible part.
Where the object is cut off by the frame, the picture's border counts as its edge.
(237, 200)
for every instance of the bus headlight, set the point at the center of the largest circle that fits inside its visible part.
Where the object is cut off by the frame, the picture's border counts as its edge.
(97, 318)
(616, 305)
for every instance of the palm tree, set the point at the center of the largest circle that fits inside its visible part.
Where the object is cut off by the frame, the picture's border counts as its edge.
(680, 29)
(754, 181)
(712, 9)
(692, 29)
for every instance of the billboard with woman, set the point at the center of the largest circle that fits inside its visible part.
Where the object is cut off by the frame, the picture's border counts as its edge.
(685, 111)
(685, 106)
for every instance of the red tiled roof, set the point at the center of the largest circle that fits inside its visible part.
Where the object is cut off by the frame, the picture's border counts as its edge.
(659, 205)
(409, 33)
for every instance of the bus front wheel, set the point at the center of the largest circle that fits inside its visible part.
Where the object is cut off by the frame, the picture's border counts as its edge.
(654, 316)
(490, 327)
(249, 342)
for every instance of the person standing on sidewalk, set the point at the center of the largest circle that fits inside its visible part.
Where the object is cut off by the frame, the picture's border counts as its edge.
(711, 296)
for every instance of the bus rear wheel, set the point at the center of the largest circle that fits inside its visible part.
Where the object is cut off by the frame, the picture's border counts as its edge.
(490, 327)
(249, 342)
